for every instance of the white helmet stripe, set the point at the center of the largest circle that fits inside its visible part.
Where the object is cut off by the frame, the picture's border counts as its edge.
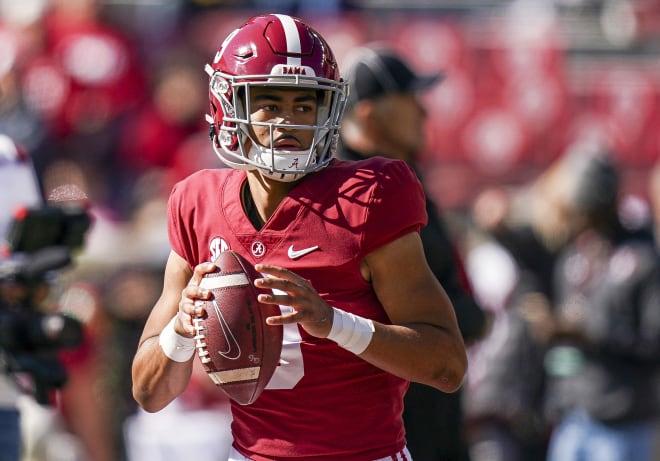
(292, 39)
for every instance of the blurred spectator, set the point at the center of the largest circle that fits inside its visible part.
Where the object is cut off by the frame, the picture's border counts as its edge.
(504, 388)
(589, 299)
(152, 133)
(99, 61)
(83, 78)
(602, 365)
(529, 223)
(18, 119)
(385, 117)
(512, 251)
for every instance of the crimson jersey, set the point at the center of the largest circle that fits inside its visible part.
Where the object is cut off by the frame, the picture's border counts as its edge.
(323, 402)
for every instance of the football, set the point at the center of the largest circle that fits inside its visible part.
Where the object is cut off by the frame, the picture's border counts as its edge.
(236, 347)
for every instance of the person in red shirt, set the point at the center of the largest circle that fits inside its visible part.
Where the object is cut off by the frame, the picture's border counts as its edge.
(337, 242)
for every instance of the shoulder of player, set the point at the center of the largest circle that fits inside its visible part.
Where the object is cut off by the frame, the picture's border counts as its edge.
(374, 167)
(204, 180)
(209, 174)
(375, 178)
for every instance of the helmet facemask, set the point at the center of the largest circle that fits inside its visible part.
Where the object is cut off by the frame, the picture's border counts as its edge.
(230, 97)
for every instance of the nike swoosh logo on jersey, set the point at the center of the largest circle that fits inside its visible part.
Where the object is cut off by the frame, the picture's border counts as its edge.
(295, 254)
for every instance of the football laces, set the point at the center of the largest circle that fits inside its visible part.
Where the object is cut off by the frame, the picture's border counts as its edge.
(200, 343)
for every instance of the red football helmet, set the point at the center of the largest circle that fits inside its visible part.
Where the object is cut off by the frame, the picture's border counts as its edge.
(282, 51)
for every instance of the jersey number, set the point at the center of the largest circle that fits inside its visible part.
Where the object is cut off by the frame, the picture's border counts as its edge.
(291, 368)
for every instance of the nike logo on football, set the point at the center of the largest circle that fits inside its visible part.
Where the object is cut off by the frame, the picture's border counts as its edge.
(295, 254)
(233, 351)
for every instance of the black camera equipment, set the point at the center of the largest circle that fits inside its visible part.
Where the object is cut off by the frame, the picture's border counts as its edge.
(40, 241)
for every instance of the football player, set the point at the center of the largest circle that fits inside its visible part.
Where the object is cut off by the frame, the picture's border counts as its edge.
(337, 242)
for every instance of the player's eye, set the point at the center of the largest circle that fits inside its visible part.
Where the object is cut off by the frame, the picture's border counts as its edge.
(306, 108)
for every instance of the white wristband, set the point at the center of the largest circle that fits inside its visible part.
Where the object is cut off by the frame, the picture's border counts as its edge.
(351, 331)
(176, 347)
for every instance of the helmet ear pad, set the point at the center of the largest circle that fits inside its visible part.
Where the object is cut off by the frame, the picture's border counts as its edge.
(221, 104)
(226, 138)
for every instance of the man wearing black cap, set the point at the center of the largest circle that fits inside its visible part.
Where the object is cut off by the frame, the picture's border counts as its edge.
(385, 117)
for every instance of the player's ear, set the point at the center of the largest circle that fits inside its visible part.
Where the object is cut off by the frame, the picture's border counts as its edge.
(364, 110)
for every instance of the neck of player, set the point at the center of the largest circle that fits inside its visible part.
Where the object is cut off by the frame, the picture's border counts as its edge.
(267, 193)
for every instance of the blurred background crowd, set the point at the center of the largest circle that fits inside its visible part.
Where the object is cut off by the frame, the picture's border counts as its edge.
(110, 96)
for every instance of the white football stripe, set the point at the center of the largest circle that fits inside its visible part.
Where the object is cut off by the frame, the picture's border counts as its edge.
(223, 281)
(231, 376)
(292, 39)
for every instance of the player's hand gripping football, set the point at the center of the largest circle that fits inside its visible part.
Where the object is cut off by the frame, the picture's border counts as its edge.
(189, 305)
(308, 308)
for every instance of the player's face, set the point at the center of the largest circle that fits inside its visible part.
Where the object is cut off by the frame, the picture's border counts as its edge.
(401, 118)
(286, 107)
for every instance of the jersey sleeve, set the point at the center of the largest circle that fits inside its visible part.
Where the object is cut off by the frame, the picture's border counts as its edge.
(177, 231)
(397, 206)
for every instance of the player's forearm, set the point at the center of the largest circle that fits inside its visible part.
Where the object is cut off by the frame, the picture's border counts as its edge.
(419, 352)
(157, 380)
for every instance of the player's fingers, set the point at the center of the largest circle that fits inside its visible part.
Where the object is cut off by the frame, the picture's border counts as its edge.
(188, 309)
(316, 322)
(294, 316)
(297, 308)
(193, 289)
(185, 324)
(191, 297)
(282, 299)
(282, 319)
(281, 272)
(287, 286)
(199, 271)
